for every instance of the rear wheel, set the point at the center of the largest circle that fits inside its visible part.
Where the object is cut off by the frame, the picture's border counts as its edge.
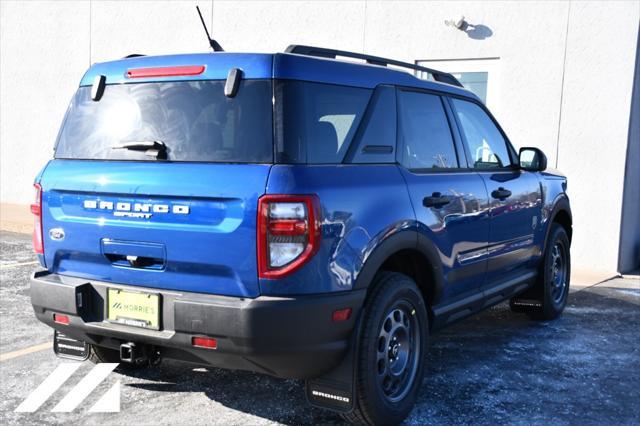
(391, 351)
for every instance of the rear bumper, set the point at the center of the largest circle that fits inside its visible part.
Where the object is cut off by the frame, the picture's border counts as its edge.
(290, 337)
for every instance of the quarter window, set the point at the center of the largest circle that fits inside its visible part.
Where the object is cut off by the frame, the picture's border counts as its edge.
(315, 122)
(486, 144)
(425, 132)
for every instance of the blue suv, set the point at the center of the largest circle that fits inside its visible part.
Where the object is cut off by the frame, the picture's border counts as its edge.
(290, 214)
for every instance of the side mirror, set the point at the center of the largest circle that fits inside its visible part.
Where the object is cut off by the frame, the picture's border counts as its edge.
(532, 159)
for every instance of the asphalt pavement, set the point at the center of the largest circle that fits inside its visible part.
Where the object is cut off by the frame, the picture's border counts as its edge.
(494, 368)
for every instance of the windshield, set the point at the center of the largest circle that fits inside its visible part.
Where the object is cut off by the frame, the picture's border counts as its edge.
(193, 119)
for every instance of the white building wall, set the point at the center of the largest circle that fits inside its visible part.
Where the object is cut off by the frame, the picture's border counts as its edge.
(44, 50)
(46, 47)
(594, 129)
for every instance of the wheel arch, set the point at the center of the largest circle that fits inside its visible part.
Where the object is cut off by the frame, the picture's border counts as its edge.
(560, 214)
(412, 254)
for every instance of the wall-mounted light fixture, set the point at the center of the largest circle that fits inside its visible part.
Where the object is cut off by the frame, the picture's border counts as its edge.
(474, 31)
(459, 23)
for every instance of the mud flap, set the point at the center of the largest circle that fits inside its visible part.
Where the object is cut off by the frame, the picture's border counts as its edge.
(336, 389)
(70, 348)
(527, 301)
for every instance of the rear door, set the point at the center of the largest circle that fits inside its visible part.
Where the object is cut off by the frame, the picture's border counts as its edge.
(114, 209)
(450, 201)
(515, 195)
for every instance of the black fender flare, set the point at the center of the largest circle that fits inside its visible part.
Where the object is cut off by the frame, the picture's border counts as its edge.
(560, 204)
(408, 239)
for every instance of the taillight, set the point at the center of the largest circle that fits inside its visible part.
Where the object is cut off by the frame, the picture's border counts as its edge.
(288, 233)
(36, 209)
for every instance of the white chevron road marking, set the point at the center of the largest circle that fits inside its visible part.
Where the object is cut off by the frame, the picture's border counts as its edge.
(84, 388)
(47, 388)
(109, 402)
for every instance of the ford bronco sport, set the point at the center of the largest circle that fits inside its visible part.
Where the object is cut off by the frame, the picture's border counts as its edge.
(290, 214)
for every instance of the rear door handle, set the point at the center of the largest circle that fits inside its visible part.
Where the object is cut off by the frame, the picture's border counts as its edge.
(501, 193)
(436, 200)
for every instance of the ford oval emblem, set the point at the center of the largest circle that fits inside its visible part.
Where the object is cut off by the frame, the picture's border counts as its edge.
(56, 234)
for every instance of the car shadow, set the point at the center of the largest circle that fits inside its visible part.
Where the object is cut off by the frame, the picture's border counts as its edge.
(497, 365)
(278, 400)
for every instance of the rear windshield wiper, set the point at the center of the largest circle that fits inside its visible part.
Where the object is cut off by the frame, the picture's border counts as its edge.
(155, 149)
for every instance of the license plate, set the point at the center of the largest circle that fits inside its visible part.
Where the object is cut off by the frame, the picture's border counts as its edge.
(133, 308)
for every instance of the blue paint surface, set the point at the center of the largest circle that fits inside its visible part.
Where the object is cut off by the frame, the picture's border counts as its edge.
(212, 248)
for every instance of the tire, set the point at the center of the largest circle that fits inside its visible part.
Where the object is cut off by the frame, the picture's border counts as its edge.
(552, 285)
(389, 376)
(101, 354)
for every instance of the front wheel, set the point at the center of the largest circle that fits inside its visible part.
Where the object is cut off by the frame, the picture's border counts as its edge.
(552, 285)
(557, 273)
(391, 351)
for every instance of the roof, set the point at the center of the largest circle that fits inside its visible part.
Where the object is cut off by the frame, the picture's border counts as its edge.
(262, 65)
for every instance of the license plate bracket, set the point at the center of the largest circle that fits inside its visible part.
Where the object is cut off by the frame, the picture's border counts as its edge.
(133, 308)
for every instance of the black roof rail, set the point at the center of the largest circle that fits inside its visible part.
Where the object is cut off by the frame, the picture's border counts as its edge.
(134, 55)
(322, 52)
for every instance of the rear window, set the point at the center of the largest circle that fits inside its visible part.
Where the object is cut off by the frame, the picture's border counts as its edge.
(194, 120)
(316, 122)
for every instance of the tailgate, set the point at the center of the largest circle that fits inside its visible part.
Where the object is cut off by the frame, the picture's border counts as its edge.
(175, 226)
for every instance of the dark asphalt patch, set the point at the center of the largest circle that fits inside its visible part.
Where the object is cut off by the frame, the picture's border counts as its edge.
(494, 368)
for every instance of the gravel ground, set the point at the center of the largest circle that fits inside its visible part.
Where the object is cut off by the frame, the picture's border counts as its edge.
(494, 368)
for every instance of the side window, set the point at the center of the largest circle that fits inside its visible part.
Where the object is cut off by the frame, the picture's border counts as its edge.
(425, 132)
(315, 122)
(485, 142)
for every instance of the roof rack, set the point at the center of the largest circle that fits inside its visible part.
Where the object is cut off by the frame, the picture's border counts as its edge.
(321, 52)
